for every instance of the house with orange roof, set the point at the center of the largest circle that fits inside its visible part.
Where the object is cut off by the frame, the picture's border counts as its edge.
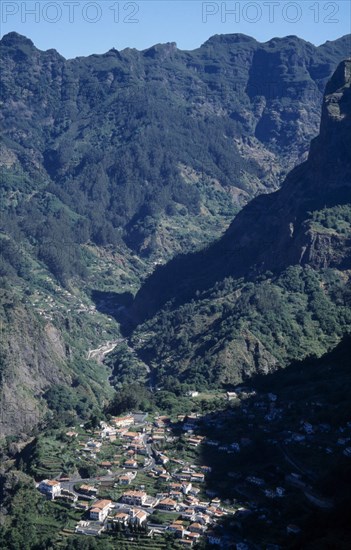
(175, 486)
(200, 478)
(123, 421)
(132, 436)
(50, 487)
(131, 464)
(119, 517)
(106, 464)
(193, 536)
(138, 517)
(134, 497)
(100, 509)
(167, 504)
(126, 479)
(196, 528)
(88, 489)
(188, 514)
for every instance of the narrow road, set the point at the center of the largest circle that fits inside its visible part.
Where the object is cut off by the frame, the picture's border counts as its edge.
(152, 462)
(99, 353)
(69, 485)
(311, 476)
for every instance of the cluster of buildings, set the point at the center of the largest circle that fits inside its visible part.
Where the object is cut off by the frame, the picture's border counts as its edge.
(179, 495)
(135, 507)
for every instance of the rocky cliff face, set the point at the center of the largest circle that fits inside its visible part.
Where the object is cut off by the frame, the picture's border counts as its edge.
(276, 286)
(145, 143)
(44, 366)
(32, 359)
(283, 220)
(137, 144)
(277, 230)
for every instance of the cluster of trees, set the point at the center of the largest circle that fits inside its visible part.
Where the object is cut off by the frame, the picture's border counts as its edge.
(21, 507)
(67, 403)
(131, 397)
(298, 313)
(337, 218)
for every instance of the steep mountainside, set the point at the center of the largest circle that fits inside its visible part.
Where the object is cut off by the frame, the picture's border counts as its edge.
(306, 222)
(37, 354)
(276, 286)
(112, 164)
(159, 147)
(269, 430)
(32, 359)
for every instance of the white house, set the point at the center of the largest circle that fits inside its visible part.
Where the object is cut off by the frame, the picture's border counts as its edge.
(213, 538)
(89, 528)
(134, 497)
(167, 504)
(186, 487)
(100, 509)
(138, 517)
(200, 478)
(120, 517)
(123, 421)
(50, 487)
(231, 395)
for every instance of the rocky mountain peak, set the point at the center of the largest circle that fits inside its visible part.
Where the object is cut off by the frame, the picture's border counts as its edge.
(228, 39)
(337, 99)
(16, 39)
(335, 134)
(161, 50)
(277, 230)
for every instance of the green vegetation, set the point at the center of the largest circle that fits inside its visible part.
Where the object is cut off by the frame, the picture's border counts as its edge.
(130, 170)
(49, 455)
(336, 219)
(130, 397)
(182, 138)
(240, 327)
(111, 171)
(313, 391)
(31, 521)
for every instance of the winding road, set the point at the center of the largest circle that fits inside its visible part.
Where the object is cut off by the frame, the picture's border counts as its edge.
(99, 353)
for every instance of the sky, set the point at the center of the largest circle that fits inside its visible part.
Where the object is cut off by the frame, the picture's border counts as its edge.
(76, 28)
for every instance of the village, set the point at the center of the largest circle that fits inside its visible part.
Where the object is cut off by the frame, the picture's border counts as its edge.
(139, 486)
(162, 476)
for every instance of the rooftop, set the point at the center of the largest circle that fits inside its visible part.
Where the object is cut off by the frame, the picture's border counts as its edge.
(101, 504)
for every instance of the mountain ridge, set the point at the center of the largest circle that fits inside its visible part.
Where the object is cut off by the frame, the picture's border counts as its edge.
(14, 37)
(254, 217)
(227, 115)
(115, 163)
(274, 288)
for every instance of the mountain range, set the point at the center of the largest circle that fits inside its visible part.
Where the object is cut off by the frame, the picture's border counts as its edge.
(275, 287)
(280, 229)
(159, 148)
(115, 163)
